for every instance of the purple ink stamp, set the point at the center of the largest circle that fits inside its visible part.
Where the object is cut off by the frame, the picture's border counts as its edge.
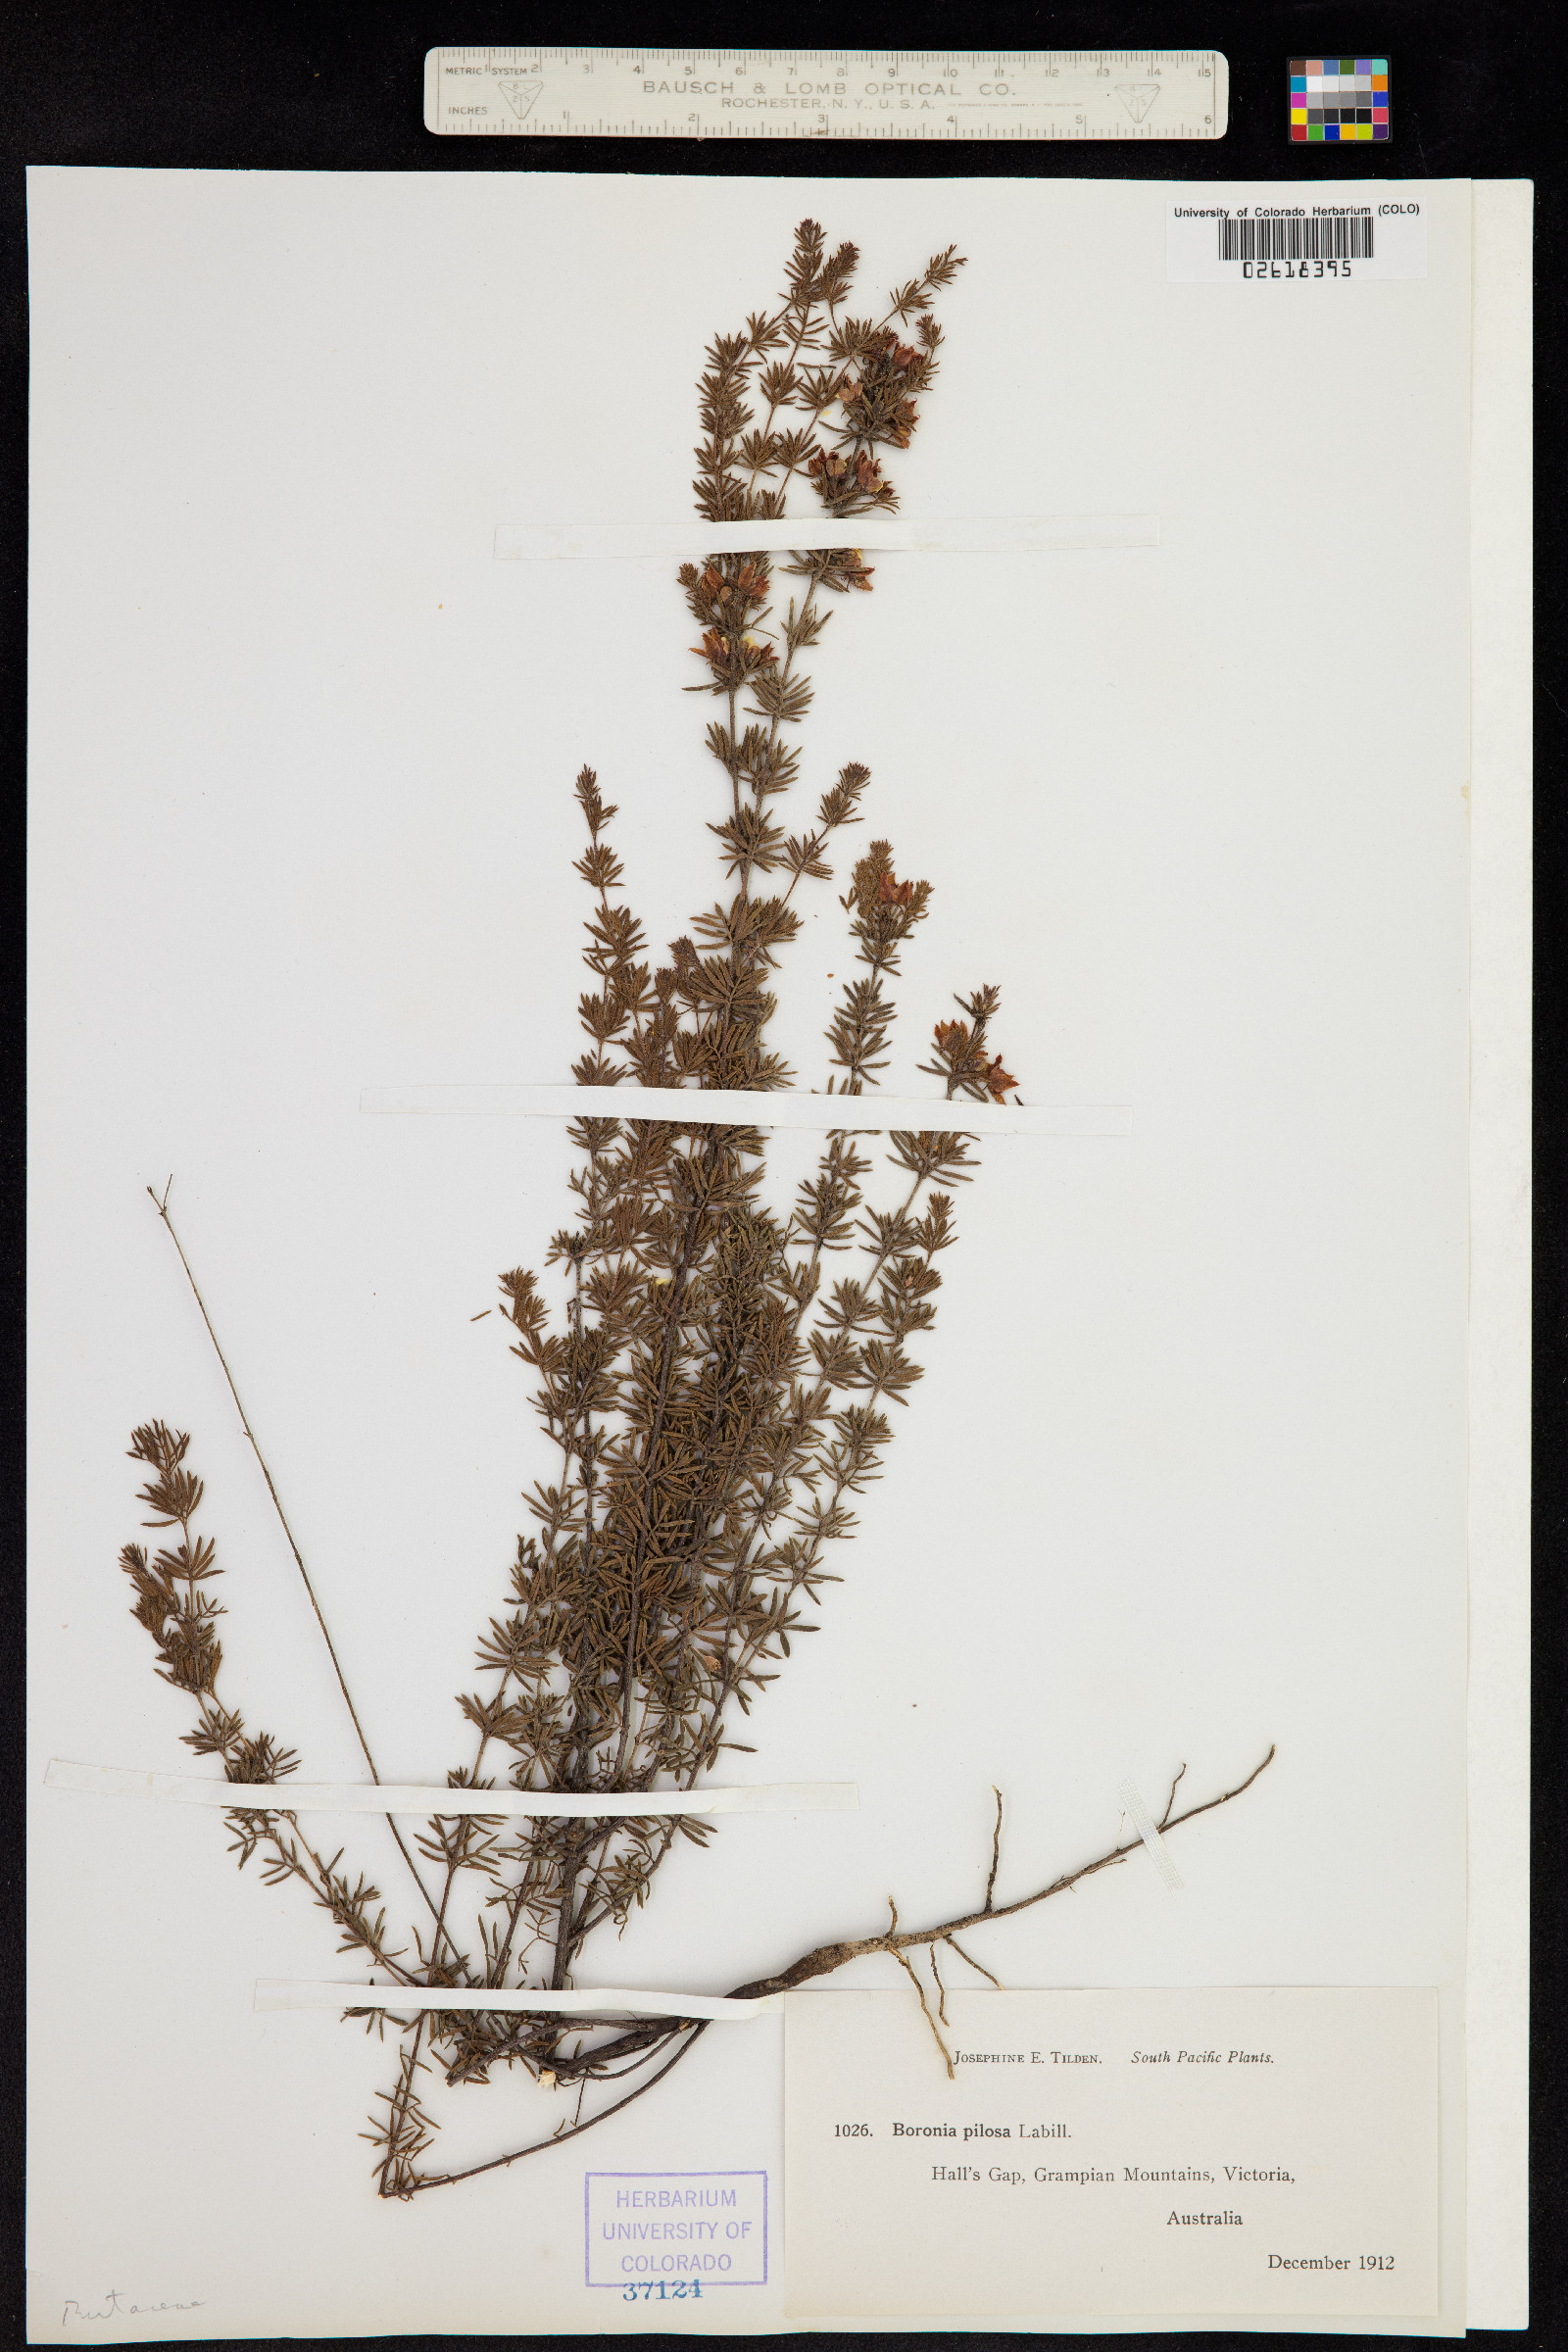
(682, 2230)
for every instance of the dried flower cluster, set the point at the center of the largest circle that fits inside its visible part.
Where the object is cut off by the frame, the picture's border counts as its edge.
(715, 1373)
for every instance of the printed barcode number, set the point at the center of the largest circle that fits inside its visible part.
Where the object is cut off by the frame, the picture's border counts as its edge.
(1339, 239)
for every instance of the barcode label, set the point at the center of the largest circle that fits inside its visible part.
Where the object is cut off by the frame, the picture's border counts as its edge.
(1341, 237)
(1300, 236)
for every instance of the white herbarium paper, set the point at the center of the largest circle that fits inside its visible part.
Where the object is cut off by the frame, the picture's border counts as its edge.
(1185, 1476)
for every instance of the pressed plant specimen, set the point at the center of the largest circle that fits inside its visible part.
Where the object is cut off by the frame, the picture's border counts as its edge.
(715, 1372)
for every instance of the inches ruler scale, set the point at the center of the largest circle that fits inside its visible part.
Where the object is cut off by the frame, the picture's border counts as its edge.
(930, 94)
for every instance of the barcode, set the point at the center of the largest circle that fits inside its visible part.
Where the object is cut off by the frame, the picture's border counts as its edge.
(1338, 238)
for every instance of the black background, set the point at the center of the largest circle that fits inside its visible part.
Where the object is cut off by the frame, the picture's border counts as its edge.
(1479, 90)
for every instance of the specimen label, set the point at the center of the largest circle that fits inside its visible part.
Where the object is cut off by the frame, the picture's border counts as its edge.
(1187, 2151)
(1312, 235)
(932, 95)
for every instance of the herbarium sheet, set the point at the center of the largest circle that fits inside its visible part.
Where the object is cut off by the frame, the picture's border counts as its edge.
(1001, 1494)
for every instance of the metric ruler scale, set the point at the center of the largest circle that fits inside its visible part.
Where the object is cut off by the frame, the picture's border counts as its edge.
(929, 94)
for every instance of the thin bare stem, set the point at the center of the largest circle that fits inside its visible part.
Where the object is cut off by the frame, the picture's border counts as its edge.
(925, 2009)
(162, 1207)
(557, 2138)
(935, 1977)
(954, 1944)
(829, 1956)
(995, 1849)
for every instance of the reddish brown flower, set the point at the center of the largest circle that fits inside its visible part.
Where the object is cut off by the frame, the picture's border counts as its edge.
(721, 650)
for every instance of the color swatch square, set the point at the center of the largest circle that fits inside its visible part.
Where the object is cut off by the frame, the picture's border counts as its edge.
(1335, 100)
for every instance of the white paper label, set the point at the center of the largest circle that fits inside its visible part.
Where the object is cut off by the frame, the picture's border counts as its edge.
(1298, 238)
(1191, 2151)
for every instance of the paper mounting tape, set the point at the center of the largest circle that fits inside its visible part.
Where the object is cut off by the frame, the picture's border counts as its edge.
(869, 534)
(1148, 1829)
(725, 1107)
(403, 1796)
(283, 1993)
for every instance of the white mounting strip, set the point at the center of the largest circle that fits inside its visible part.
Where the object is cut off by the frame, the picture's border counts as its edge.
(871, 534)
(283, 1993)
(401, 1796)
(723, 1106)
(1144, 1823)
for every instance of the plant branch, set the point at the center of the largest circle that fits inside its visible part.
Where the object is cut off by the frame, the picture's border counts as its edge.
(829, 1956)
(162, 1208)
(559, 2138)
(896, 1941)
(996, 1851)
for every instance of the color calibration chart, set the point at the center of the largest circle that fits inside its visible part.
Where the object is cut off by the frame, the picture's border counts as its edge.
(1336, 99)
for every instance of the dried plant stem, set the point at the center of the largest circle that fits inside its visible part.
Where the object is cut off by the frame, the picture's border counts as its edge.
(693, 2031)
(162, 1207)
(954, 1945)
(907, 1967)
(829, 1956)
(824, 1959)
(995, 1849)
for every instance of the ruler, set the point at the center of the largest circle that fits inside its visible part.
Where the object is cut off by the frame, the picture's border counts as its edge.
(925, 94)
